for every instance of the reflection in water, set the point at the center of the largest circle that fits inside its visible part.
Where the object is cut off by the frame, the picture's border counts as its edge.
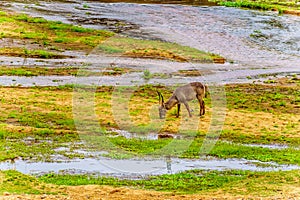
(169, 164)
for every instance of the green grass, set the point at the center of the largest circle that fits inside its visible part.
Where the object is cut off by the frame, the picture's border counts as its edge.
(266, 137)
(122, 147)
(62, 71)
(254, 97)
(232, 182)
(23, 52)
(235, 182)
(37, 71)
(247, 4)
(286, 156)
(282, 6)
(17, 183)
(191, 148)
(36, 144)
(41, 31)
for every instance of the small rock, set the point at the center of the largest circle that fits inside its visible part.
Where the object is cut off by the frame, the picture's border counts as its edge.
(6, 193)
(114, 191)
(161, 136)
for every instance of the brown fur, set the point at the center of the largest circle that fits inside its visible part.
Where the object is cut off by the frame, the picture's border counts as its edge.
(184, 94)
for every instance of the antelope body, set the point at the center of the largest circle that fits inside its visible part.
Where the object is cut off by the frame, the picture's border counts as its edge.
(182, 95)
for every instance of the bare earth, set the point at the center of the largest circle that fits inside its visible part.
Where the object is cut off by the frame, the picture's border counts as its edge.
(107, 192)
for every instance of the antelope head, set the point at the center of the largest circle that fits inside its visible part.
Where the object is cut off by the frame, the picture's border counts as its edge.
(162, 107)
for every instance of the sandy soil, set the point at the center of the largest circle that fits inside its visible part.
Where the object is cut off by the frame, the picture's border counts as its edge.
(94, 192)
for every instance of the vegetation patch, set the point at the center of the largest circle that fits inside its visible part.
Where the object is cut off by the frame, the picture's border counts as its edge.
(191, 184)
(282, 6)
(202, 182)
(37, 71)
(277, 106)
(266, 98)
(36, 144)
(46, 113)
(222, 150)
(50, 33)
(191, 72)
(26, 53)
(63, 71)
(131, 47)
(13, 182)
(155, 54)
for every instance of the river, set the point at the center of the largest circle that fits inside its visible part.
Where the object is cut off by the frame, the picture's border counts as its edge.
(253, 42)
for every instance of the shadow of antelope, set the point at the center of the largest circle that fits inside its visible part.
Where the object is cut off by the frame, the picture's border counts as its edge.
(182, 95)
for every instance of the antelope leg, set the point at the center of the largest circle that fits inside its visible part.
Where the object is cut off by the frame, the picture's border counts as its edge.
(178, 109)
(188, 108)
(203, 108)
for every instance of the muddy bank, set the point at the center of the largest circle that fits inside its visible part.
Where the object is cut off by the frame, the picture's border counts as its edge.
(137, 78)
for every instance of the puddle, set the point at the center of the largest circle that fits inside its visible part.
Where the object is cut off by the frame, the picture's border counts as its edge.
(267, 146)
(131, 168)
(271, 146)
(129, 135)
(148, 136)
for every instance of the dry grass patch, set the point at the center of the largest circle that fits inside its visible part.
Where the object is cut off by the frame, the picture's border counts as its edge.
(124, 46)
(262, 127)
(137, 111)
(155, 54)
(262, 123)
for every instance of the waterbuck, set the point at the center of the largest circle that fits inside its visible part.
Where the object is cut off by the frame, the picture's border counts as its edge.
(183, 94)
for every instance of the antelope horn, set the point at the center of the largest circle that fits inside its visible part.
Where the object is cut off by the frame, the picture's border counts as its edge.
(160, 96)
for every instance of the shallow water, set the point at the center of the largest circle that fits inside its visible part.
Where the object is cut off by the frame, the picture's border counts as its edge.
(138, 168)
(182, 2)
(221, 77)
(254, 42)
